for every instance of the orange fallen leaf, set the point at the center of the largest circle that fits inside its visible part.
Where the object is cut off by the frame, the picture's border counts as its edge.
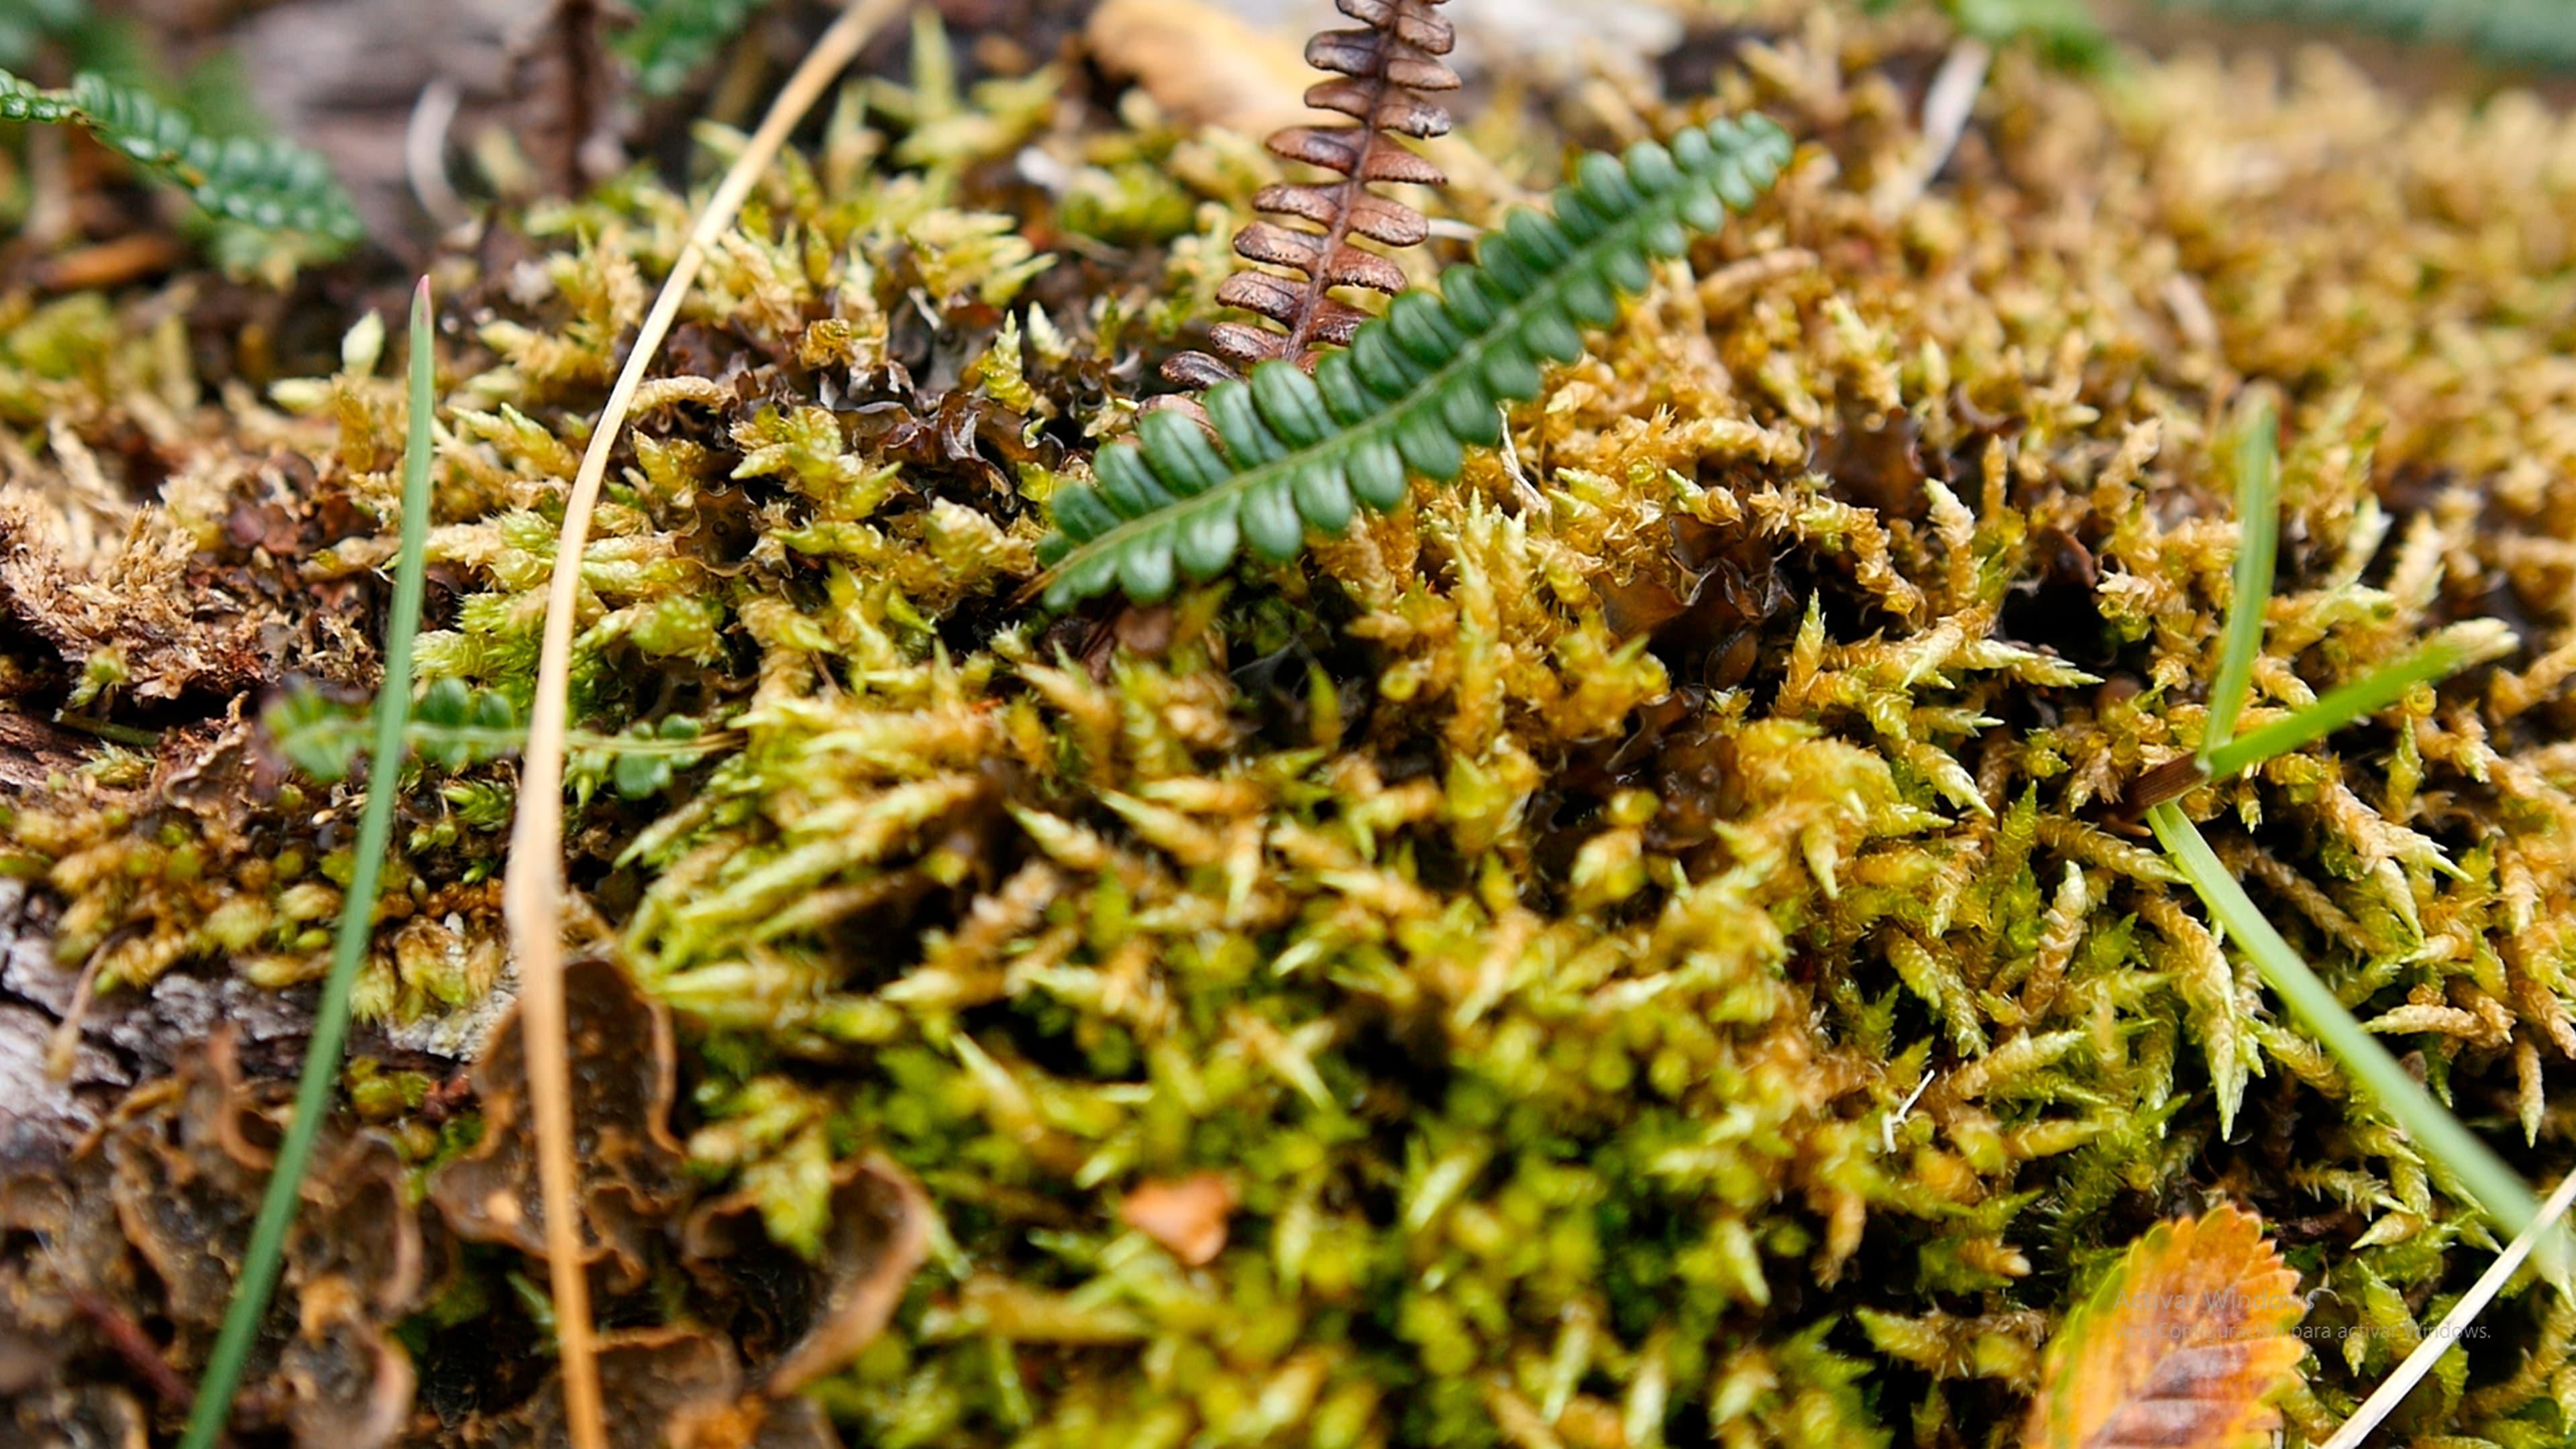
(2181, 1347)
(1187, 1215)
(1204, 64)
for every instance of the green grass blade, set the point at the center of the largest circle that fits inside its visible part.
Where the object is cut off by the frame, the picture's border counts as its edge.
(2439, 657)
(258, 1281)
(2450, 1147)
(2258, 538)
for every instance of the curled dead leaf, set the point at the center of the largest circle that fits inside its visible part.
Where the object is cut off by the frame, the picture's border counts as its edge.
(90, 1416)
(880, 1235)
(2182, 1346)
(186, 1170)
(1188, 1215)
(624, 1074)
(352, 1383)
(680, 1388)
(1202, 63)
(125, 1255)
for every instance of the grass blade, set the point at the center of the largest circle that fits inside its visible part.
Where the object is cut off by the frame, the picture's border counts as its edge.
(2439, 657)
(2258, 539)
(2497, 1190)
(313, 1091)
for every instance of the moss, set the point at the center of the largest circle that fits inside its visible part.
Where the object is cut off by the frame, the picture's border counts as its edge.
(1646, 935)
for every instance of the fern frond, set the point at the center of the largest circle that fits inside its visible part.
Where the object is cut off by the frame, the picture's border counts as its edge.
(270, 184)
(671, 39)
(455, 727)
(2540, 34)
(1382, 68)
(1413, 390)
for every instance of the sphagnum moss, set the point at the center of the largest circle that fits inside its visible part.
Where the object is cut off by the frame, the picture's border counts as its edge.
(1646, 934)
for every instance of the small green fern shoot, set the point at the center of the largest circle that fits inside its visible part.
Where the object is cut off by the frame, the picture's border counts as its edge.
(2449, 1146)
(272, 185)
(321, 1076)
(1412, 391)
(672, 39)
(455, 726)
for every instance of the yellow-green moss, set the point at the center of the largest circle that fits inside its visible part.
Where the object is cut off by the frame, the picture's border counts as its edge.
(1647, 933)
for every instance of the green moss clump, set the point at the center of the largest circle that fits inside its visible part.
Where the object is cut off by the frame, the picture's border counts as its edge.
(1646, 936)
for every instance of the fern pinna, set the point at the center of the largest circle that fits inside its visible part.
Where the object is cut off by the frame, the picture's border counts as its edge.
(2537, 34)
(1383, 67)
(270, 184)
(1413, 389)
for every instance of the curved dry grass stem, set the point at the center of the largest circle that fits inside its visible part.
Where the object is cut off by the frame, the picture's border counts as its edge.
(533, 894)
(2447, 1335)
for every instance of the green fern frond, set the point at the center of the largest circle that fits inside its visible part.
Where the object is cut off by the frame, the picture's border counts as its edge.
(26, 25)
(671, 39)
(454, 727)
(2535, 33)
(270, 184)
(1411, 392)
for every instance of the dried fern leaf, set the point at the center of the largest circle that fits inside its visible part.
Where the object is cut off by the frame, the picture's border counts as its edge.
(2181, 1347)
(1412, 391)
(1381, 69)
(270, 184)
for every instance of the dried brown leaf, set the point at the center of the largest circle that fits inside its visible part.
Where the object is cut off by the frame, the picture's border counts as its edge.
(1201, 63)
(880, 1235)
(624, 1066)
(1188, 1215)
(2181, 1347)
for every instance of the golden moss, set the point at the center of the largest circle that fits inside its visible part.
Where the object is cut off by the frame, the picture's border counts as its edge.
(1647, 936)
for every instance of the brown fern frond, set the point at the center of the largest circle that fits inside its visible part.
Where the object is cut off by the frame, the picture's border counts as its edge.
(1381, 68)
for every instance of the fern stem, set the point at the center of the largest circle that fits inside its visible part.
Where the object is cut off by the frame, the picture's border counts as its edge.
(321, 1076)
(270, 184)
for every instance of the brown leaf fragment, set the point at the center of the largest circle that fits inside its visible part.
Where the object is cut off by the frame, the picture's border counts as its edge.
(89, 1416)
(624, 1070)
(187, 1183)
(2180, 1347)
(1200, 62)
(880, 1235)
(1188, 1215)
(352, 1382)
(663, 1388)
(357, 1230)
(796, 1423)
(676, 1388)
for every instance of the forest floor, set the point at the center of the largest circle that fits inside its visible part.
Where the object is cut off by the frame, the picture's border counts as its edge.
(1642, 945)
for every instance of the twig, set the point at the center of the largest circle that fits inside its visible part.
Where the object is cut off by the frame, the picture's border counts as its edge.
(129, 1342)
(2402, 1381)
(258, 1280)
(533, 892)
(425, 152)
(1946, 109)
